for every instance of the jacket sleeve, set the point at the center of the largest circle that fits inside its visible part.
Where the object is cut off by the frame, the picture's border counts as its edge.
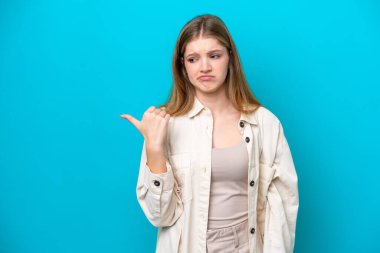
(157, 194)
(281, 195)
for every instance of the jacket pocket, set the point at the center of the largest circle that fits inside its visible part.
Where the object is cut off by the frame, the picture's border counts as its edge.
(182, 170)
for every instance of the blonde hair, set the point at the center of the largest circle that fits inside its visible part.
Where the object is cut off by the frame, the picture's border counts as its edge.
(182, 92)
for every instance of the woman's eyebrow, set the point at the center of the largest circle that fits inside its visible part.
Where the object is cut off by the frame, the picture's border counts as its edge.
(211, 51)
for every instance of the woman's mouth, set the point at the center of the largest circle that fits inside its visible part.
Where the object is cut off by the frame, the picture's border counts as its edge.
(205, 78)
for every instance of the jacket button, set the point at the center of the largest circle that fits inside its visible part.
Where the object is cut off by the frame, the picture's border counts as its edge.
(252, 183)
(156, 183)
(252, 230)
(241, 124)
(246, 139)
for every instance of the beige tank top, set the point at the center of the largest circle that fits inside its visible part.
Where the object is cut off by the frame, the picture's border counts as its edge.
(229, 193)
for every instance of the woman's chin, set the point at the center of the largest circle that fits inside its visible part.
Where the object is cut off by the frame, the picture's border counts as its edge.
(208, 88)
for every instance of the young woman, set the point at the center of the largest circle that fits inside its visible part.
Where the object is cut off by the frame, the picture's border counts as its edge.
(216, 172)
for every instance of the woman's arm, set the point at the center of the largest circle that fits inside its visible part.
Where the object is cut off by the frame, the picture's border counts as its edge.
(278, 191)
(157, 193)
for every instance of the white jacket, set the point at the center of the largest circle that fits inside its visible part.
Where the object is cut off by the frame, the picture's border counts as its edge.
(177, 201)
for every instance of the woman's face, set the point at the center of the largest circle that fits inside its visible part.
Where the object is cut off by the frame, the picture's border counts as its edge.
(206, 64)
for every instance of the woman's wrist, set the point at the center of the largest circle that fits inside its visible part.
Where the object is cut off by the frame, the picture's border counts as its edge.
(156, 159)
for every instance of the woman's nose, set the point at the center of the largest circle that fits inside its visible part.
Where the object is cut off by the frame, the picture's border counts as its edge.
(205, 65)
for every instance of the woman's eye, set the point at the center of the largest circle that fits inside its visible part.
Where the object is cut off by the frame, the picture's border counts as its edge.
(214, 56)
(191, 60)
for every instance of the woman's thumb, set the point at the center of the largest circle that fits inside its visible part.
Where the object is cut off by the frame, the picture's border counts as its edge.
(131, 119)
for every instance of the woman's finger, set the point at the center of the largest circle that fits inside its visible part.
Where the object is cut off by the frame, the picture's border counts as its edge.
(151, 109)
(131, 119)
(167, 117)
(157, 111)
(162, 114)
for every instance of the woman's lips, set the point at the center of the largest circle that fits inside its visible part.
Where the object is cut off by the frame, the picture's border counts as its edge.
(205, 78)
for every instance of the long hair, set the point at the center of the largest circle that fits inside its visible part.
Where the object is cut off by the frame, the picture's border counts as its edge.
(182, 92)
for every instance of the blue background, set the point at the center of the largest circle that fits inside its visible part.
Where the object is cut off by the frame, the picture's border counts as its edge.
(68, 69)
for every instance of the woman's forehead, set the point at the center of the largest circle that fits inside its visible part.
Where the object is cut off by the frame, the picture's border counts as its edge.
(203, 44)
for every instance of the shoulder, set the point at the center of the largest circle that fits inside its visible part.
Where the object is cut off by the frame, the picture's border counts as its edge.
(179, 126)
(270, 130)
(179, 120)
(266, 118)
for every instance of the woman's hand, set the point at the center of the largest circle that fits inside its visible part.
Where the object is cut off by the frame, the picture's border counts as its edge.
(153, 127)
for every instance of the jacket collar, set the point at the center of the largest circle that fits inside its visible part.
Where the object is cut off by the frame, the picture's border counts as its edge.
(198, 106)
